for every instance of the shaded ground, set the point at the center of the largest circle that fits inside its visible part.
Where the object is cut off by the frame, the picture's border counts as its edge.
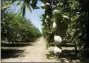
(35, 52)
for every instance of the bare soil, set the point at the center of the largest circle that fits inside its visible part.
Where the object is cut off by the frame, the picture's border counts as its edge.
(37, 53)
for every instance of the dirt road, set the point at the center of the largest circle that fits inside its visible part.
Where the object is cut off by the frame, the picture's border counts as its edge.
(34, 53)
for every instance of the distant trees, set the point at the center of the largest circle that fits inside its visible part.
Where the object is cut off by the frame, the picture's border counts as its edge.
(17, 28)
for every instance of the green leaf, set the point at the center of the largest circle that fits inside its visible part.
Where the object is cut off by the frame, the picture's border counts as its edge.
(23, 8)
(43, 7)
(5, 7)
(24, 11)
(19, 2)
(27, 2)
(33, 4)
(13, 1)
(29, 8)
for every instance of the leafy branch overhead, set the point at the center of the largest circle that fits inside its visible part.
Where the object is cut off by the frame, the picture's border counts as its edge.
(24, 4)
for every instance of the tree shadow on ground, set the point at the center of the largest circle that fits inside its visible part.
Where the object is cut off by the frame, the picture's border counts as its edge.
(84, 60)
(16, 44)
(10, 53)
(68, 55)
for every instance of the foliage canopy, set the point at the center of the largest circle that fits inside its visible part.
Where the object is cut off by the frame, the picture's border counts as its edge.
(17, 29)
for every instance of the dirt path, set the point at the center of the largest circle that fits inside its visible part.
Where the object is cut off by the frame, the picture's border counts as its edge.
(34, 53)
(37, 53)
